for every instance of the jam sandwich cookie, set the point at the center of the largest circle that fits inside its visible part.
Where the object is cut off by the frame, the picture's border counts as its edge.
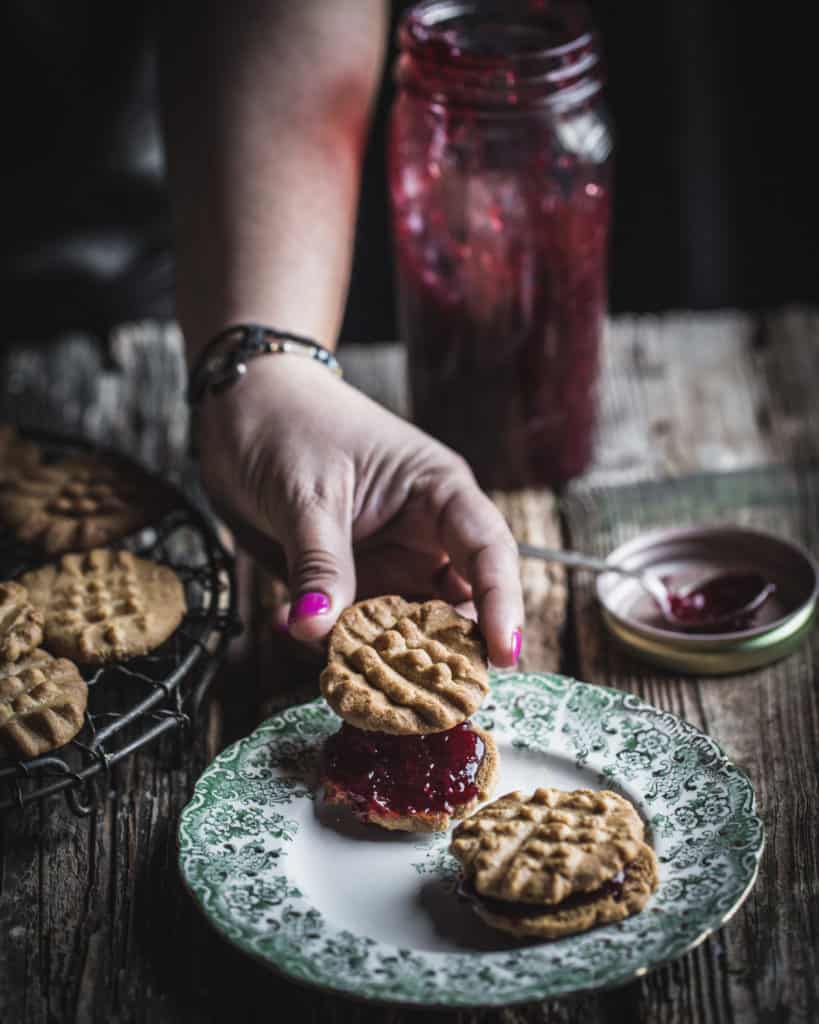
(21, 624)
(405, 677)
(42, 704)
(105, 605)
(409, 783)
(555, 863)
(77, 504)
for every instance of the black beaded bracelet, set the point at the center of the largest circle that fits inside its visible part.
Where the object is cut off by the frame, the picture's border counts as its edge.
(224, 359)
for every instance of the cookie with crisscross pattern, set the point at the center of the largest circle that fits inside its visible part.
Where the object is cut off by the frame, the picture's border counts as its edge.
(79, 503)
(400, 667)
(106, 605)
(21, 624)
(545, 847)
(614, 900)
(42, 704)
(555, 863)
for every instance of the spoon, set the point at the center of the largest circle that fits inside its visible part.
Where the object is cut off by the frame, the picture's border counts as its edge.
(726, 598)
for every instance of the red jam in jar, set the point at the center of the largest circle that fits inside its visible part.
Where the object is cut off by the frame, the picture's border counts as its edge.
(405, 774)
(500, 167)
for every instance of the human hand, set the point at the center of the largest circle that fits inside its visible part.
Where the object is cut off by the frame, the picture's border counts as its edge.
(359, 502)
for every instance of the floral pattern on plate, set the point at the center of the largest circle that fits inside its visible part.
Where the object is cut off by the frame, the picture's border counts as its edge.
(239, 850)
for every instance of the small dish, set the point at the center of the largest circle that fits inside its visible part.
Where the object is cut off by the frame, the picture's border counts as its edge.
(685, 554)
(373, 914)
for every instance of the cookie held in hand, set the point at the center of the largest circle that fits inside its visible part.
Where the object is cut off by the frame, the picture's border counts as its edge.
(21, 624)
(42, 704)
(405, 668)
(555, 863)
(106, 605)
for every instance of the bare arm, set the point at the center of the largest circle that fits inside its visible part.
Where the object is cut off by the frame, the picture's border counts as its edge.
(266, 107)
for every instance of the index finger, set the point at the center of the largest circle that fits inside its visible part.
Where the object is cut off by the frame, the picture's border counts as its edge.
(483, 550)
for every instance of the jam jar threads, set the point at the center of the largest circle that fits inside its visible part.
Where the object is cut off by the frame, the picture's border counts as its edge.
(500, 161)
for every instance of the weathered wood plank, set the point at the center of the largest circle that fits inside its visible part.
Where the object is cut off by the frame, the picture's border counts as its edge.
(380, 371)
(95, 921)
(77, 895)
(680, 392)
(763, 965)
(533, 517)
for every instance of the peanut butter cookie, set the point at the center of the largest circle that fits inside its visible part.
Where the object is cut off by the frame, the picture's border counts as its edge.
(106, 605)
(21, 624)
(555, 863)
(405, 668)
(79, 503)
(42, 704)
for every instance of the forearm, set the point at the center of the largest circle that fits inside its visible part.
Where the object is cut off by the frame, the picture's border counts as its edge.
(266, 106)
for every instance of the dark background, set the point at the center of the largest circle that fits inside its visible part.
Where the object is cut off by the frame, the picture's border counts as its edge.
(714, 201)
(715, 193)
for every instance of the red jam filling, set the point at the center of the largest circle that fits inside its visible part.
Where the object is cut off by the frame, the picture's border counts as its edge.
(404, 775)
(728, 602)
(511, 908)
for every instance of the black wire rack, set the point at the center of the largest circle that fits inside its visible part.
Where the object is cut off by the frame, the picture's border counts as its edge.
(133, 703)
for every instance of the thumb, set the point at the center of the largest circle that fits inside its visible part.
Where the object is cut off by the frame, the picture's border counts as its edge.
(321, 572)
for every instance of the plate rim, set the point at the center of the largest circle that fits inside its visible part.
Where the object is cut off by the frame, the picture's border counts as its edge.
(457, 1003)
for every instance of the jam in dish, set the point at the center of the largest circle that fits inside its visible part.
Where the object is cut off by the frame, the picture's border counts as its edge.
(725, 602)
(511, 908)
(402, 775)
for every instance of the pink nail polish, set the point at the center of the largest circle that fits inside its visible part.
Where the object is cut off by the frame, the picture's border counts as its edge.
(517, 640)
(308, 605)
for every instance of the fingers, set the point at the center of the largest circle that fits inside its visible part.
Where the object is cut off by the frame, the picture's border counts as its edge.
(321, 572)
(416, 575)
(484, 553)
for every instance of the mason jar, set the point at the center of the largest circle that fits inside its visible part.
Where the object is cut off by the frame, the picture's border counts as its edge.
(500, 164)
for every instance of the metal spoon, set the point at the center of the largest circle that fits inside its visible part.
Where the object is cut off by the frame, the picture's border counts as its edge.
(753, 586)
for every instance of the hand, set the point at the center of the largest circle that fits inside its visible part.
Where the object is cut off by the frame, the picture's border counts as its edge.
(359, 501)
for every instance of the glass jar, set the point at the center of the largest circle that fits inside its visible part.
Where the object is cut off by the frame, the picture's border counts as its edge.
(500, 160)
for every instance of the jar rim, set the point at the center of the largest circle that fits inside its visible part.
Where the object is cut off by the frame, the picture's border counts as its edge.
(532, 50)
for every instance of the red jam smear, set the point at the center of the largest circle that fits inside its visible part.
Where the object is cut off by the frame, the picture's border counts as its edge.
(718, 605)
(405, 775)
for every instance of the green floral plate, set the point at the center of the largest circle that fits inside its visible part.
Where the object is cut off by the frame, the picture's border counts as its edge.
(374, 914)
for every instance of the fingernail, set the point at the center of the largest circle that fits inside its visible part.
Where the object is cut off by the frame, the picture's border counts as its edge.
(517, 640)
(308, 605)
(279, 624)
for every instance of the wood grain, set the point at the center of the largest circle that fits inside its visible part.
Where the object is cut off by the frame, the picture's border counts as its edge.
(533, 517)
(766, 959)
(96, 925)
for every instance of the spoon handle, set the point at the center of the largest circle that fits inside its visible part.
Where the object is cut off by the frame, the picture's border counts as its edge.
(572, 558)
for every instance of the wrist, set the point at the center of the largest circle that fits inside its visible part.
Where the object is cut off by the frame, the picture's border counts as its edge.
(196, 338)
(227, 357)
(274, 394)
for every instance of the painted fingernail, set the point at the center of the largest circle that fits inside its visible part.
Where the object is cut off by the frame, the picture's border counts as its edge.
(517, 640)
(279, 624)
(308, 605)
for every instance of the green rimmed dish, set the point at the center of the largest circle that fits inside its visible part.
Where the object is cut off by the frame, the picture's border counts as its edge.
(374, 915)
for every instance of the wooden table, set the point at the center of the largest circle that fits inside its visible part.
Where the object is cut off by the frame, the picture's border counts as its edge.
(94, 921)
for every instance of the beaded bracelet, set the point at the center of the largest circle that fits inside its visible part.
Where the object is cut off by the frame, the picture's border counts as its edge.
(224, 359)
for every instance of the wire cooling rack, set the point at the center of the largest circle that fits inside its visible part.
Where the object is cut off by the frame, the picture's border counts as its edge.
(133, 703)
